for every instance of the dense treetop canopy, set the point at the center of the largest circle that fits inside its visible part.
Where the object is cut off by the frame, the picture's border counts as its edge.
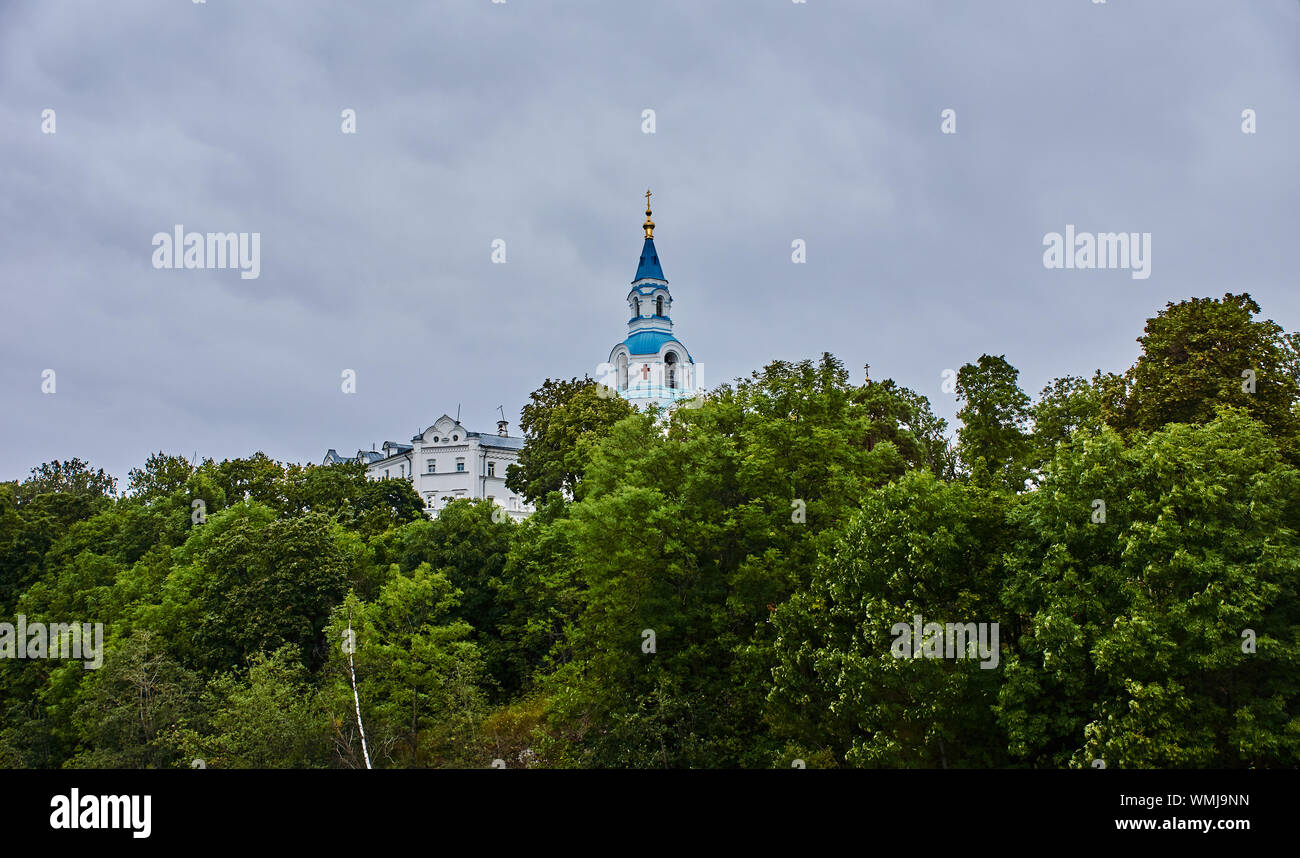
(791, 566)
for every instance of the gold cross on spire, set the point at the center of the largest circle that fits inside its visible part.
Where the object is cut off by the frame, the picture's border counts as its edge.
(649, 225)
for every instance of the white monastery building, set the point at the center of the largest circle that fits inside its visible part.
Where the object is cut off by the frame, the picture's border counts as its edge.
(649, 367)
(447, 462)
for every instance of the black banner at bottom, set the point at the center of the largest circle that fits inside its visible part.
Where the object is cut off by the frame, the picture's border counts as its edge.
(335, 808)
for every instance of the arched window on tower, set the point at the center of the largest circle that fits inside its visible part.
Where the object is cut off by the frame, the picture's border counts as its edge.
(670, 369)
(636, 307)
(659, 306)
(622, 372)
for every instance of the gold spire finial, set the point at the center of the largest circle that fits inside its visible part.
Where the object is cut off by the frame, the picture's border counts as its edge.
(649, 225)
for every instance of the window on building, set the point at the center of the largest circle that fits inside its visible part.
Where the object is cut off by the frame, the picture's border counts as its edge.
(492, 469)
(433, 466)
(622, 372)
(659, 306)
(402, 471)
(428, 501)
(385, 473)
(460, 464)
(670, 369)
(455, 437)
(636, 307)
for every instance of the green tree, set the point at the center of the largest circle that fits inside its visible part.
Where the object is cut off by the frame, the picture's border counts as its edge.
(1137, 571)
(1203, 353)
(344, 492)
(73, 477)
(992, 441)
(129, 706)
(538, 597)
(247, 583)
(468, 542)
(37, 512)
(562, 421)
(161, 475)
(418, 674)
(1065, 407)
(259, 477)
(842, 691)
(268, 717)
(696, 534)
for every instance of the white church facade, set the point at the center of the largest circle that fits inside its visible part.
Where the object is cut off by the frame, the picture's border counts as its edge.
(650, 366)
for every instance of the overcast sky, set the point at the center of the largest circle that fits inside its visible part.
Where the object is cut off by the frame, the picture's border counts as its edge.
(522, 121)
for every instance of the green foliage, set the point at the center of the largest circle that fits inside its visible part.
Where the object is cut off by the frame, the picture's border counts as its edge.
(562, 421)
(469, 548)
(1194, 354)
(129, 706)
(342, 491)
(992, 442)
(538, 597)
(268, 717)
(716, 586)
(696, 534)
(73, 478)
(1132, 647)
(1066, 406)
(918, 547)
(161, 476)
(417, 674)
(247, 582)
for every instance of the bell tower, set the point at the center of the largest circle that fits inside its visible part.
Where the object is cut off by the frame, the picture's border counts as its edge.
(651, 366)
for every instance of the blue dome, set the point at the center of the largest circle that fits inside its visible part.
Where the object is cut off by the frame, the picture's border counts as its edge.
(649, 343)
